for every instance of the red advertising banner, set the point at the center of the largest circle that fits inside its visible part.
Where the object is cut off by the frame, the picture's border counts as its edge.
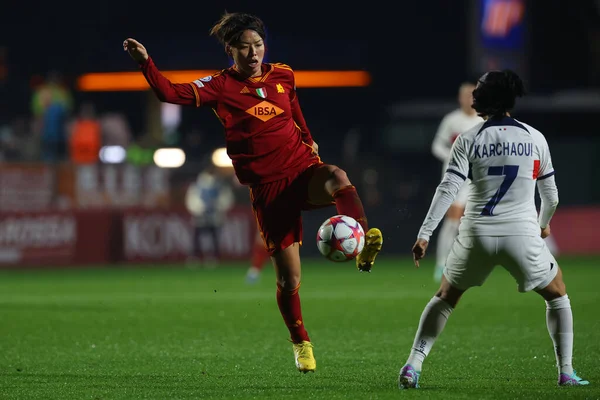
(83, 237)
(156, 235)
(55, 238)
(168, 235)
(34, 238)
(26, 187)
(574, 230)
(107, 236)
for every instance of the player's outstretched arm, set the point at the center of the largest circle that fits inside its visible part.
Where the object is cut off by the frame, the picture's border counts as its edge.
(165, 90)
(136, 50)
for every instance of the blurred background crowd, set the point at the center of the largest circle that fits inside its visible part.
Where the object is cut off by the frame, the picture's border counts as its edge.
(71, 150)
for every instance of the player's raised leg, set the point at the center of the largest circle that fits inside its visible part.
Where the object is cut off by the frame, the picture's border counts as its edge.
(432, 323)
(448, 233)
(331, 183)
(559, 320)
(288, 272)
(260, 256)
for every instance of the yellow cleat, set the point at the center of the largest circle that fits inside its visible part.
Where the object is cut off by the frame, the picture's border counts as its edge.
(305, 360)
(373, 244)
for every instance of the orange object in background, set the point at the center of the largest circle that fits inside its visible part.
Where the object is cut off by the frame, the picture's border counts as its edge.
(85, 141)
(135, 81)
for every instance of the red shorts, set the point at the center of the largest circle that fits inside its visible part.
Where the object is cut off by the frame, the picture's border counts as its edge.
(278, 207)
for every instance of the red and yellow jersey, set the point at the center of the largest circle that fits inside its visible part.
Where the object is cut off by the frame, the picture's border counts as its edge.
(265, 131)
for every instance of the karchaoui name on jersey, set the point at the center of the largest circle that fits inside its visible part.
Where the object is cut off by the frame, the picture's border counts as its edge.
(502, 149)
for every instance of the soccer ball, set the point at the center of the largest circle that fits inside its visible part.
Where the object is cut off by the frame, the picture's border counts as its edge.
(340, 238)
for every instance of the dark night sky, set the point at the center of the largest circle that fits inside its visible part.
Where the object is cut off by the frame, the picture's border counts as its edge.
(414, 49)
(417, 40)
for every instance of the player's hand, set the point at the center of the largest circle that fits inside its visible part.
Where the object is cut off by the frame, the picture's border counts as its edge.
(136, 50)
(419, 250)
(545, 232)
(315, 148)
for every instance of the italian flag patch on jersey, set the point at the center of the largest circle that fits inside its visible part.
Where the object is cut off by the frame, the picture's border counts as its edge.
(262, 92)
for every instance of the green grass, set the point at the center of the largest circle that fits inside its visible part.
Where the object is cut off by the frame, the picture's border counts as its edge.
(176, 333)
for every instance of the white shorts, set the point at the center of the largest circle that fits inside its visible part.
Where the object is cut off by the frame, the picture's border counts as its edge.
(526, 258)
(462, 195)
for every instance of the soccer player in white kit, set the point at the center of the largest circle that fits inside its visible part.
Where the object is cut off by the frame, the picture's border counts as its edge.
(504, 159)
(452, 125)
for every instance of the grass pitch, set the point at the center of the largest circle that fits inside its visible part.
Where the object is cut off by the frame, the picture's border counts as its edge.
(177, 333)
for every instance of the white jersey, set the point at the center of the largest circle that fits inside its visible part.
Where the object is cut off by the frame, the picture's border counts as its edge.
(503, 158)
(452, 125)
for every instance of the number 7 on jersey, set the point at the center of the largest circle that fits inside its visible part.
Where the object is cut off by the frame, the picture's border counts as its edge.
(510, 173)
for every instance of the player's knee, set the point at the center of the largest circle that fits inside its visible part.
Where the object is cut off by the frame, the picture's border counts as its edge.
(448, 298)
(337, 178)
(561, 288)
(554, 290)
(449, 294)
(288, 281)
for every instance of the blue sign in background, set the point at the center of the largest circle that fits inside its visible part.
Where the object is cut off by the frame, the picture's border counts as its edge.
(502, 24)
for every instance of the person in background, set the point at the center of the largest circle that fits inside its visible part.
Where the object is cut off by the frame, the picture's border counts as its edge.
(452, 125)
(115, 129)
(85, 137)
(51, 105)
(208, 200)
(259, 258)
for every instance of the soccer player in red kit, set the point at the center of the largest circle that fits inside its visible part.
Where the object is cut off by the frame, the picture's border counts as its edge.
(273, 153)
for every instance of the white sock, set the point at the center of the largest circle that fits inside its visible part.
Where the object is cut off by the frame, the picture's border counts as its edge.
(433, 320)
(559, 320)
(445, 239)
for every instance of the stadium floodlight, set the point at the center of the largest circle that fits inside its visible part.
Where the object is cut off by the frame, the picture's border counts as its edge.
(169, 158)
(220, 158)
(112, 154)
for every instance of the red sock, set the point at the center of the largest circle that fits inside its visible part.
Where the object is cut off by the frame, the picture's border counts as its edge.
(289, 306)
(260, 255)
(348, 203)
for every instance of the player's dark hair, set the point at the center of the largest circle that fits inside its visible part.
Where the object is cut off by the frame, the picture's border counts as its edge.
(496, 93)
(230, 27)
